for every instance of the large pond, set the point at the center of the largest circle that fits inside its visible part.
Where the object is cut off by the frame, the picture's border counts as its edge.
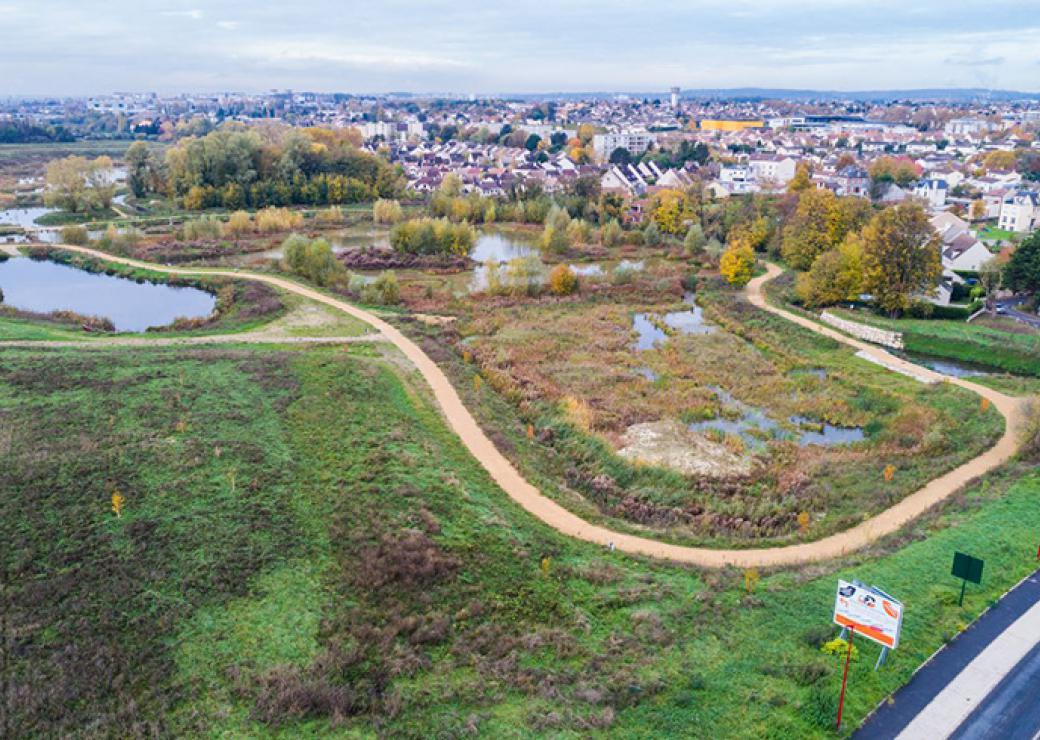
(43, 287)
(23, 217)
(498, 248)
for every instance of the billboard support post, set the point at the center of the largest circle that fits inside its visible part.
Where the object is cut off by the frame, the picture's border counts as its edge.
(960, 601)
(845, 676)
(881, 658)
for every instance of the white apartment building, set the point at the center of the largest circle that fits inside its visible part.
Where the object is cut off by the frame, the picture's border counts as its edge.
(392, 130)
(635, 141)
(966, 127)
(1019, 212)
(772, 168)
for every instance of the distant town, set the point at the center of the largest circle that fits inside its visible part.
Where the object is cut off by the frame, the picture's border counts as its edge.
(976, 163)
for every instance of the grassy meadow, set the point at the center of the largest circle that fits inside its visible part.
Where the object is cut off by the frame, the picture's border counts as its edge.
(284, 567)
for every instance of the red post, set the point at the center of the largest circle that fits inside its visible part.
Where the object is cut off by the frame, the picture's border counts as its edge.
(845, 677)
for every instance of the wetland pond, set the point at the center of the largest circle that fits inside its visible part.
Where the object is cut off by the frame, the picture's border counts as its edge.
(42, 287)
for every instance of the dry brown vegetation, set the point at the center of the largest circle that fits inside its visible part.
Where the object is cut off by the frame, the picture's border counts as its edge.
(569, 365)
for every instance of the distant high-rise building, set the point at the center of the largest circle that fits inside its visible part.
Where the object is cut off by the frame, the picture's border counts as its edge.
(675, 97)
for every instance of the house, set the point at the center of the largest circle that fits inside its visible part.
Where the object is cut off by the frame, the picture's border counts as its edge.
(892, 194)
(773, 168)
(949, 225)
(676, 179)
(624, 180)
(932, 191)
(993, 200)
(952, 177)
(921, 147)
(965, 253)
(733, 179)
(961, 250)
(852, 180)
(1019, 212)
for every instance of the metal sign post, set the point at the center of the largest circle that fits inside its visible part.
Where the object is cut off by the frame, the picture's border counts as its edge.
(967, 568)
(845, 675)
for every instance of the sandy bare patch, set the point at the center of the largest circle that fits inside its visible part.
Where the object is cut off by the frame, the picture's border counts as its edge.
(671, 445)
(431, 320)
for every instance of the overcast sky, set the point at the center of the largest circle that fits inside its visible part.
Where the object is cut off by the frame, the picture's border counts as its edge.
(489, 46)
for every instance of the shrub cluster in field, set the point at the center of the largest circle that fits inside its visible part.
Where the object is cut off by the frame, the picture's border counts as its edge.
(387, 212)
(314, 260)
(432, 236)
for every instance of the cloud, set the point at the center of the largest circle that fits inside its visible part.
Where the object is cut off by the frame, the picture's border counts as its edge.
(319, 51)
(964, 60)
(194, 14)
(486, 47)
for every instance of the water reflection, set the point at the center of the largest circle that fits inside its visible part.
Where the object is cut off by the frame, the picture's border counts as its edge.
(953, 368)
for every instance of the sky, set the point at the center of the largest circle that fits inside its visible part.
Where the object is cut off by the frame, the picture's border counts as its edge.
(83, 47)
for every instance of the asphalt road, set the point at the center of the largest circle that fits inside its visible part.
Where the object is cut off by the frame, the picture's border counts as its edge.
(1011, 710)
(1011, 309)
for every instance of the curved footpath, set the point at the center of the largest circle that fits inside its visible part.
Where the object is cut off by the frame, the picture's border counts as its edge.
(568, 523)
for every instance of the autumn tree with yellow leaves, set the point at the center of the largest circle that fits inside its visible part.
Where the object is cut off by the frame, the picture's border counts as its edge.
(737, 263)
(900, 257)
(835, 276)
(820, 222)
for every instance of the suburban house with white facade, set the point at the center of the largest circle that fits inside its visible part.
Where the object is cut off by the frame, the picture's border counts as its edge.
(933, 191)
(772, 168)
(961, 249)
(1019, 212)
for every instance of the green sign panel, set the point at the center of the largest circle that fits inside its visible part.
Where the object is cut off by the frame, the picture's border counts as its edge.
(967, 567)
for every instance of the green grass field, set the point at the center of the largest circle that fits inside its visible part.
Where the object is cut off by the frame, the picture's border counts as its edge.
(305, 551)
(992, 232)
(24, 329)
(1014, 351)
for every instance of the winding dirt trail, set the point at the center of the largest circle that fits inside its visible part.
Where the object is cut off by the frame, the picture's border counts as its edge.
(530, 498)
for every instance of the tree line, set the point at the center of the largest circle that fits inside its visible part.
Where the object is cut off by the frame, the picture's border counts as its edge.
(246, 168)
(25, 132)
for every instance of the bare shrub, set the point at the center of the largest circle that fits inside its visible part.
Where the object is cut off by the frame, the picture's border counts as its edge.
(286, 694)
(1030, 434)
(412, 559)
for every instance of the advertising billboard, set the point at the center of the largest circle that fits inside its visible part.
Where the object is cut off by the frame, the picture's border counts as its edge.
(870, 611)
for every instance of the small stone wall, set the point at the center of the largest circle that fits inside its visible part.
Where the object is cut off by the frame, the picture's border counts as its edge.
(893, 339)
